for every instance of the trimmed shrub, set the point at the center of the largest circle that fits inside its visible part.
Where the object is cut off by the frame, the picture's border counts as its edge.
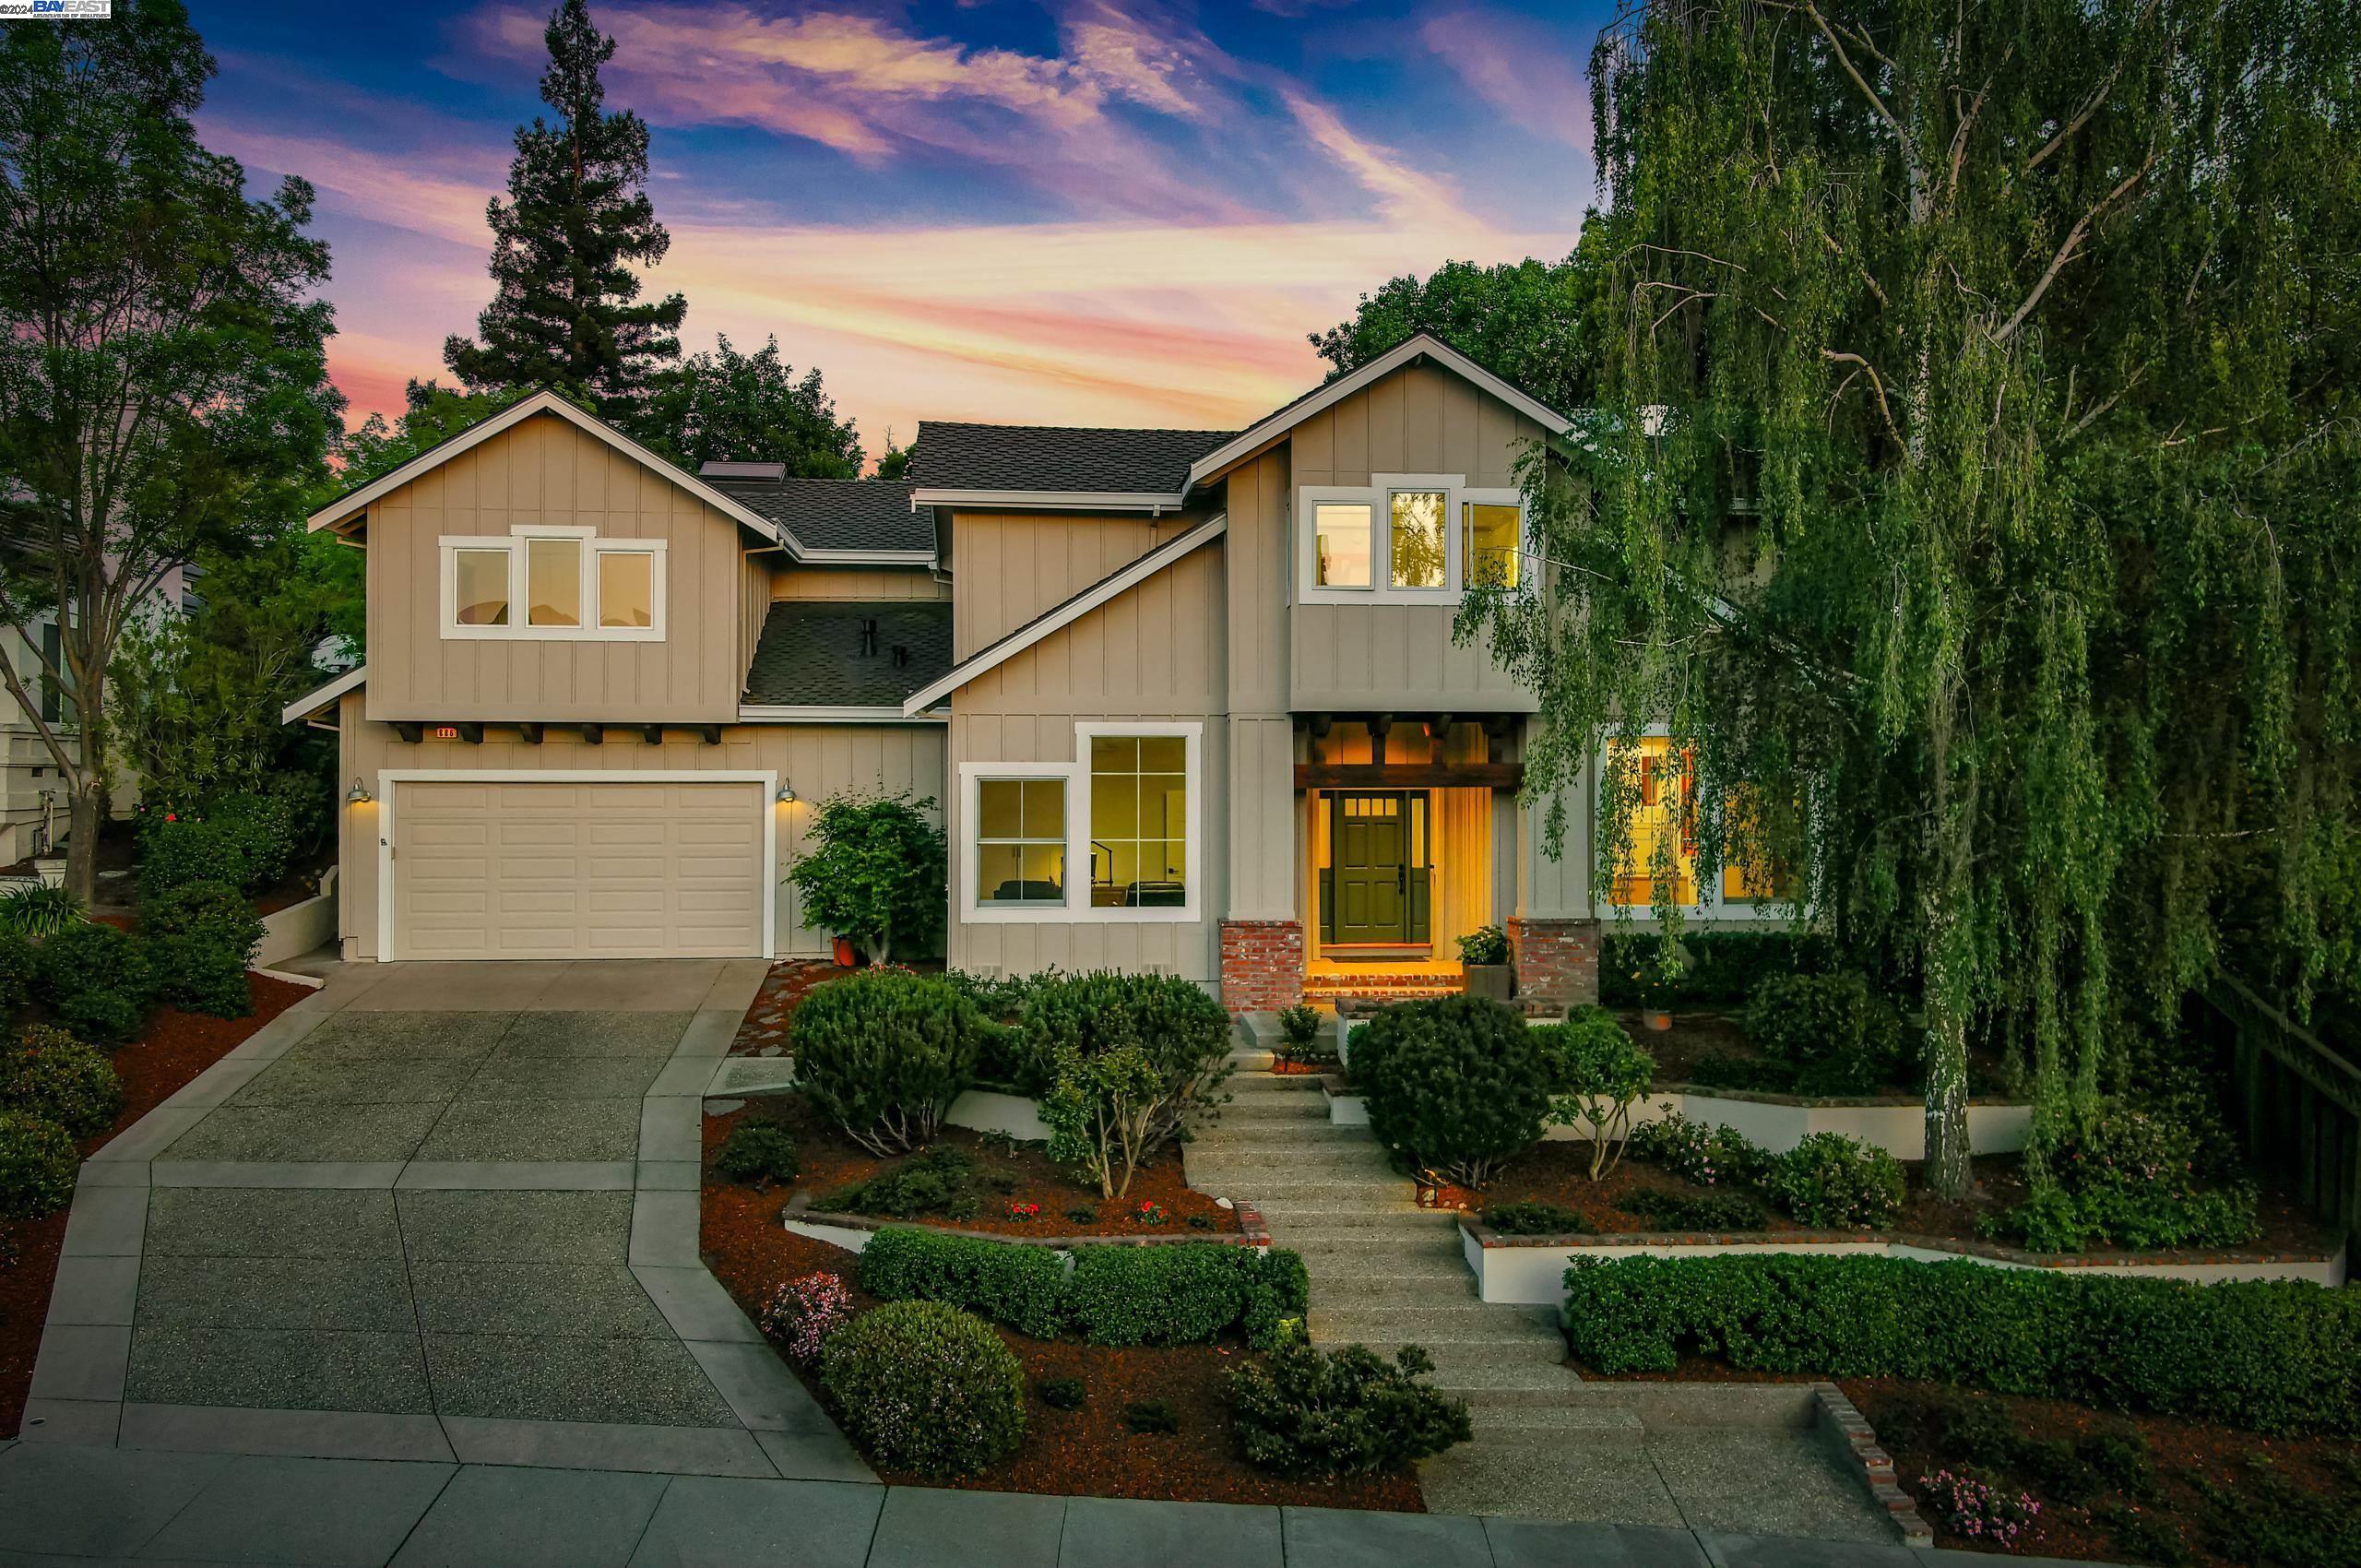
(177, 850)
(1186, 1294)
(97, 980)
(2268, 1356)
(1723, 969)
(1710, 1212)
(925, 1388)
(1602, 1073)
(1457, 1087)
(201, 975)
(883, 1052)
(1709, 1155)
(1022, 1286)
(1485, 945)
(1306, 1413)
(51, 1075)
(1128, 1059)
(758, 1152)
(803, 1312)
(1062, 1393)
(1536, 1219)
(214, 912)
(37, 1163)
(938, 1181)
(2138, 1178)
(1299, 1033)
(265, 827)
(1833, 1182)
(17, 964)
(1842, 1038)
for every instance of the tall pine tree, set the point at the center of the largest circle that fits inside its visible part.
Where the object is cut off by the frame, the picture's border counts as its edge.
(576, 221)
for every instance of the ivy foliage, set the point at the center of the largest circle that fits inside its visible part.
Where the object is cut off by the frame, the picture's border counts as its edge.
(1970, 489)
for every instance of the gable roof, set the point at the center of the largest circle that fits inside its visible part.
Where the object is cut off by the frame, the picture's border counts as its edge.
(1058, 466)
(358, 499)
(830, 517)
(1067, 612)
(1419, 347)
(812, 653)
(320, 697)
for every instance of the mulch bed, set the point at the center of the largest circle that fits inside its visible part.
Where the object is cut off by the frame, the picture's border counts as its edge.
(1084, 1453)
(1005, 1175)
(2219, 1493)
(176, 1048)
(790, 981)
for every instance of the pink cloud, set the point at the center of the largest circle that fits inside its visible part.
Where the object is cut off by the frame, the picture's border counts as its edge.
(1526, 71)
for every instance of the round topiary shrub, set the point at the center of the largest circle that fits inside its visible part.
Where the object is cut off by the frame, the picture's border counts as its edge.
(96, 981)
(883, 1052)
(926, 1387)
(1842, 1038)
(758, 1151)
(213, 911)
(38, 1161)
(176, 850)
(1456, 1087)
(1837, 1184)
(51, 1075)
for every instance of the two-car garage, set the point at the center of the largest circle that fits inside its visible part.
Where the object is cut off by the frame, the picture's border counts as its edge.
(539, 867)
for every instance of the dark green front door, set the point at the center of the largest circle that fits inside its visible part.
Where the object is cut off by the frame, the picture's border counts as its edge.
(1372, 862)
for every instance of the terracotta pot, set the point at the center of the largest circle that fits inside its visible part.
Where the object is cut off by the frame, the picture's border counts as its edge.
(846, 957)
(1657, 1018)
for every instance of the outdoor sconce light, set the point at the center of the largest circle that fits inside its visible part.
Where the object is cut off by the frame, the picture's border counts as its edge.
(786, 793)
(359, 794)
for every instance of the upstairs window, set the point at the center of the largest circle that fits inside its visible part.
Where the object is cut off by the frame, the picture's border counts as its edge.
(1341, 544)
(1419, 547)
(1490, 543)
(552, 583)
(1417, 539)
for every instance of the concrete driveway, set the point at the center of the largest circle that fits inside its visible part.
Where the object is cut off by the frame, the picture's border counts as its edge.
(434, 1212)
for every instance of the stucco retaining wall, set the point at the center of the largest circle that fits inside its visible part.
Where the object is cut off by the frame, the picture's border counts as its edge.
(296, 929)
(986, 1111)
(1530, 1271)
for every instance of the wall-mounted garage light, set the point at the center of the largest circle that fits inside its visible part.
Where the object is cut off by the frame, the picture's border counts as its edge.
(359, 794)
(786, 793)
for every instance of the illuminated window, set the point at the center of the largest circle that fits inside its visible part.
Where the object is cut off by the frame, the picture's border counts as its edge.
(1750, 873)
(1488, 543)
(1341, 543)
(570, 583)
(1020, 842)
(553, 582)
(479, 595)
(1662, 825)
(1417, 539)
(627, 587)
(1139, 822)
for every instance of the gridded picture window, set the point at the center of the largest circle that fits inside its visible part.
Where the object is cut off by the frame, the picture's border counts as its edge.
(1020, 842)
(480, 595)
(1139, 822)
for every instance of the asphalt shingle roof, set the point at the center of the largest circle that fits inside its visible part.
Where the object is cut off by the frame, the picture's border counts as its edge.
(812, 655)
(835, 514)
(1055, 458)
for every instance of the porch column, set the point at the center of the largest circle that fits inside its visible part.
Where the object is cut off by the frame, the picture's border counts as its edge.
(1553, 935)
(1261, 932)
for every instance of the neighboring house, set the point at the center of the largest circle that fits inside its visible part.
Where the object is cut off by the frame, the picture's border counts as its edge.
(1189, 699)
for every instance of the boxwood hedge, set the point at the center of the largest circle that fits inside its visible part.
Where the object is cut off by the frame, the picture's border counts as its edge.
(2272, 1357)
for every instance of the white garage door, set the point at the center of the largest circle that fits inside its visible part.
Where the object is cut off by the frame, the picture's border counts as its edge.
(541, 870)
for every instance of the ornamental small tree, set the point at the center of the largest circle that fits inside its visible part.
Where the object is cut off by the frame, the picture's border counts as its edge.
(876, 872)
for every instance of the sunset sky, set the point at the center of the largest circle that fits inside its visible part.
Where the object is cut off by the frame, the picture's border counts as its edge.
(1044, 211)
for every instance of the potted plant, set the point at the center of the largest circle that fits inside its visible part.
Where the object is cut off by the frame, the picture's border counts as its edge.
(1484, 955)
(1660, 975)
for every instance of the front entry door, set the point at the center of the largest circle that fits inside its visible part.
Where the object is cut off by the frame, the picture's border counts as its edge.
(1372, 862)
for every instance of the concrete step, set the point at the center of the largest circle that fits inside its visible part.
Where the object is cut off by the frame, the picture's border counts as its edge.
(1468, 1322)
(1382, 1291)
(1372, 1251)
(1246, 1085)
(1288, 1215)
(1548, 1423)
(1278, 1198)
(1280, 1134)
(1311, 1162)
(1464, 1369)
(1250, 1061)
(1392, 1265)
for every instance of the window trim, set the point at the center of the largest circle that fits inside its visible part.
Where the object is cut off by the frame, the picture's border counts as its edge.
(515, 544)
(1709, 903)
(1078, 909)
(1378, 495)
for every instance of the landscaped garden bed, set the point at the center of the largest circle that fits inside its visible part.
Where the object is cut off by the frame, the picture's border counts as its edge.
(174, 1048)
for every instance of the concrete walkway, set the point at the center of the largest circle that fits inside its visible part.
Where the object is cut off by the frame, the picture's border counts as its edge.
(434, 1212)
(75, 1505)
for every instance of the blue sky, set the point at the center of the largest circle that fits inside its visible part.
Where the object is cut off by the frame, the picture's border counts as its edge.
(1105, 211)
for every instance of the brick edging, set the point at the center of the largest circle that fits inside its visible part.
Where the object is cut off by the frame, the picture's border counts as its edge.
(1250, 1232)
(1955, 1246)
(1844, 1421)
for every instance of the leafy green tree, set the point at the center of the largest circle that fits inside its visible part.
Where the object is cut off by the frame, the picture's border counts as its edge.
(435, 413)
(896, 463)
(878, 873)
(1972, 490)
(196, 698)
(725, 405)
(566, 312)
(164, 380)
(1521, 320)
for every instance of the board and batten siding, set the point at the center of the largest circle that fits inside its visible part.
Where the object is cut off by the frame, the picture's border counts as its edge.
(1266, 854)
(1400, 657)
(547, 471)
(819, 760)
(1155, 652)
(1011, 566)
(862, 582)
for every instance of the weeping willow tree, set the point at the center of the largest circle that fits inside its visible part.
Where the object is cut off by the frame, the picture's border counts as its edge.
(1972, 493)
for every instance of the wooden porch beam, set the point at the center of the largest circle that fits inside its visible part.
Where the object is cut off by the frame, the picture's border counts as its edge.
(1439, 739)
(1380, 726)
(1409, 776)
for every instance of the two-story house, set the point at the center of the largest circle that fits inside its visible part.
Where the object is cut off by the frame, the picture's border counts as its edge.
(1189, 700)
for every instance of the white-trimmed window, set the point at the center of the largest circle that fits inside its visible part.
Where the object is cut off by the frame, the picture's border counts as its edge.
(1409, 539)
(544, 582)
(1664, 842)
(1116, 835)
